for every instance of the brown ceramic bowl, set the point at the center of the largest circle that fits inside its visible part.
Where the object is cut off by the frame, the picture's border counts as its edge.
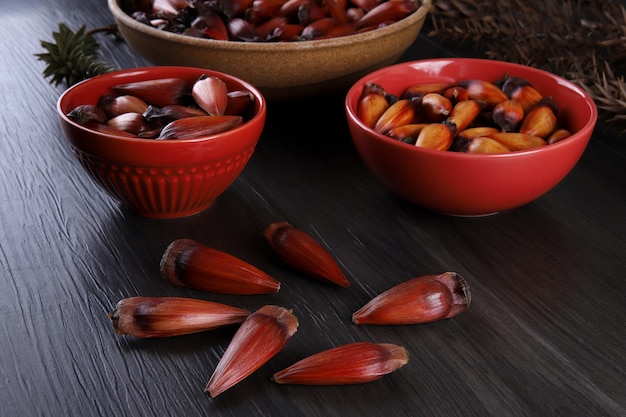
(282, 70)
(160, 178)
(472, 184)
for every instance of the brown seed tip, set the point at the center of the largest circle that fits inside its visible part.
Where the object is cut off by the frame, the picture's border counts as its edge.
(420, 300)
(190, 264)
(354, 363)
(261, 336)
(301, 251)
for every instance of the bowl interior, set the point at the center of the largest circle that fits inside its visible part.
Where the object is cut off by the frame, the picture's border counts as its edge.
(281, 70)
(90, 91)
(576, 108)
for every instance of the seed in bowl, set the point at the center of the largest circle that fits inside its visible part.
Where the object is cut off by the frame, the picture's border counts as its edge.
(270, 20)
(166, 108)
(473, 116)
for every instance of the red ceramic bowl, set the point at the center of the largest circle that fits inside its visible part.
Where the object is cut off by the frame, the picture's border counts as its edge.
(160, 178)
(469, 184)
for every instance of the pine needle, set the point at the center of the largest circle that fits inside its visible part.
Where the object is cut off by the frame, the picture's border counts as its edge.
(568, 38)
(72, 57)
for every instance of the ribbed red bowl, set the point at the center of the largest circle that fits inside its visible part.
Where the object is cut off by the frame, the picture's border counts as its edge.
(160, 178)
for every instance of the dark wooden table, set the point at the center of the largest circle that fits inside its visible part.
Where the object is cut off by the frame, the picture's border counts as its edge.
(544, 336)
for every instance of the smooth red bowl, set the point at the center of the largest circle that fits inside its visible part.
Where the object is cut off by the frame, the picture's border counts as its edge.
(160, 178)
(469, 184)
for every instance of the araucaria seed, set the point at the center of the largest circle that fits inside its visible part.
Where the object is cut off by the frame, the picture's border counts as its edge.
(400, 113)
(475, 132)
(149, 317)
(463, 114)
(199, 126)
(259, 338)
(85, 113)
(558, 135)
(420, 300)
(518, 141)
(435, 136)
(116, 105)
(130, 122)
(407, 133)
(371, 107)
(301, 251)
(520, 90)
(508, 114)
(434, 107)
(485, 91)
(211, 94)
(354, 363)
(541, 120)
(159, 92)
(171, 112)
(239, 102)
(389, 11)
(190, 264)
(482, 144)
(456, 93)
(418, 91)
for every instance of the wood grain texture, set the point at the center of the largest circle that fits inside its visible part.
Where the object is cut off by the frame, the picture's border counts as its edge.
(544, 336)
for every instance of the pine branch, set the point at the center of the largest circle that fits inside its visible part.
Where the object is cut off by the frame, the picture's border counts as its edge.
(72, 57)
(568, 38)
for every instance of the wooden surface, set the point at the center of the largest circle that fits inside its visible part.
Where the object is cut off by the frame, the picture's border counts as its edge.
(544, 336)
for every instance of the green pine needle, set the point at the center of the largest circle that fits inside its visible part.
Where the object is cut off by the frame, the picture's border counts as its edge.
(72, 57)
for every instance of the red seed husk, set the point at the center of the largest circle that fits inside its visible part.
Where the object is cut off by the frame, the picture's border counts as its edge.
(389, 11)
(354, 363)
(199, 126)
(150, 317)
(190, 264)
(301, 251)
(419, 300)
(86, 113)
(239, 102)
(116, 105)
(211, 94)
(159, 92)
(261, 336)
